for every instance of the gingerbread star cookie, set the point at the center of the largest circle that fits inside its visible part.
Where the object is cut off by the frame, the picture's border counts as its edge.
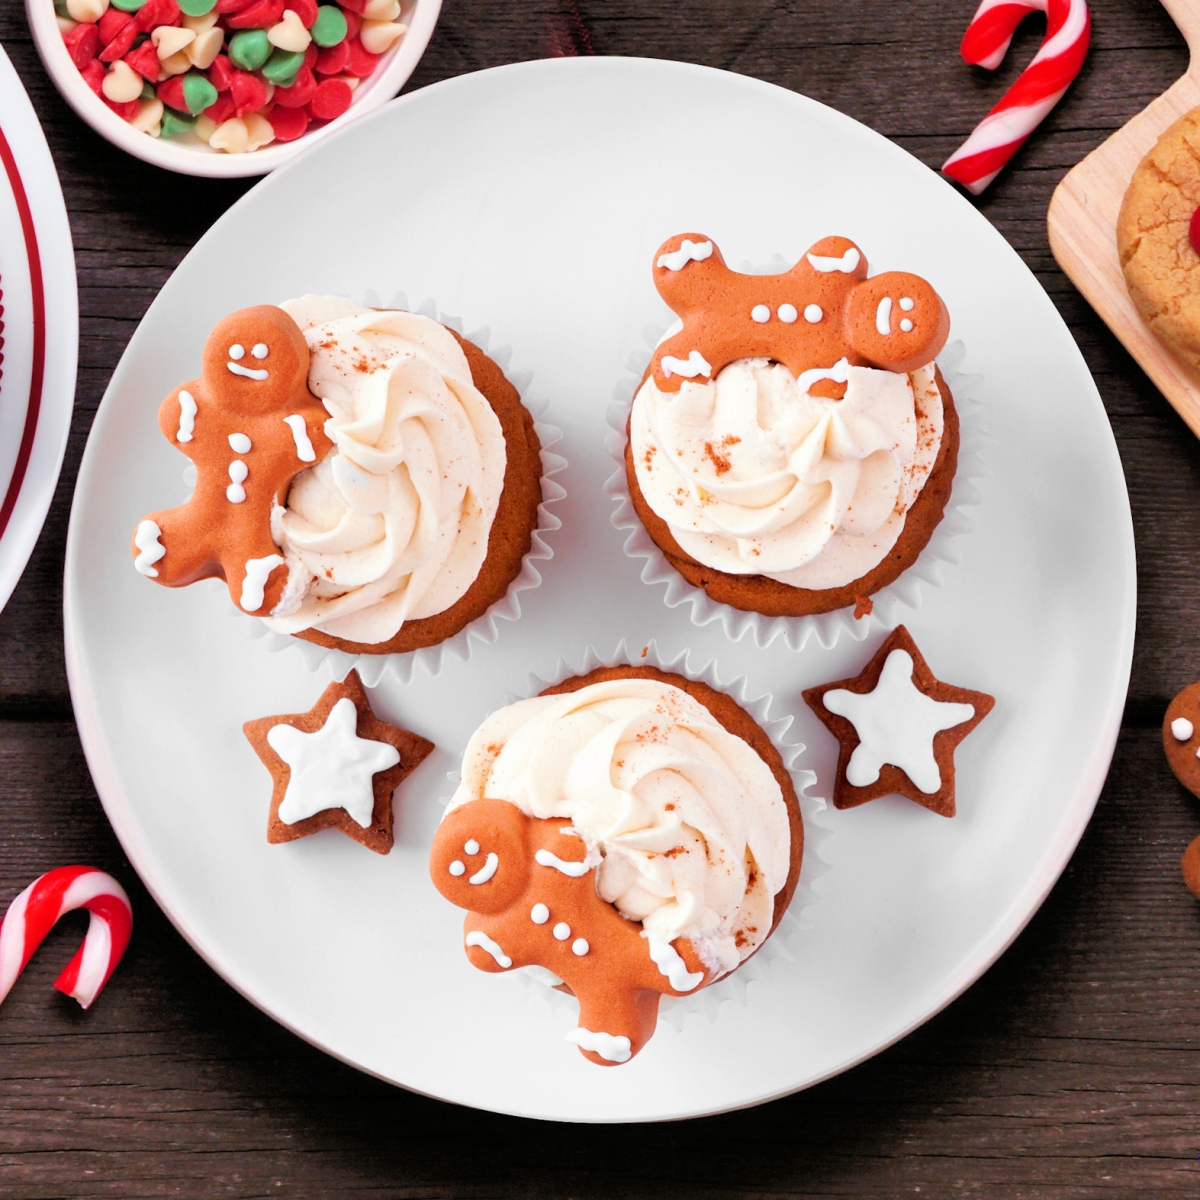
(335, 767)
(530, 896)
(250, 425)
(898, 727)
(810, 318)
(1181, 741)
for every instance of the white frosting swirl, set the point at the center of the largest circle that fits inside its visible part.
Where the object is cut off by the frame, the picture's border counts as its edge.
(686, 822)
(755, 476)
(393, 524)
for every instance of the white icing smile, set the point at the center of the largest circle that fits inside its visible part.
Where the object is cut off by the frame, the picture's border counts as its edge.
(247, 372)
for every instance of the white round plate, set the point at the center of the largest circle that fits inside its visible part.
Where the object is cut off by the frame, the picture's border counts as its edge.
(530, 199)
(40, 328)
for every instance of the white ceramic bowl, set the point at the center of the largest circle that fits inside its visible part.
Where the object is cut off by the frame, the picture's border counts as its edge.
(193, 157)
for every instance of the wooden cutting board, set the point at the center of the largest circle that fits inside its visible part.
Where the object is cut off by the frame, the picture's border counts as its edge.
(1082, 223)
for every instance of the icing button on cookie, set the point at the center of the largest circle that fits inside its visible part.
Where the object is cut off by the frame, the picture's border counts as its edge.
(898, 726)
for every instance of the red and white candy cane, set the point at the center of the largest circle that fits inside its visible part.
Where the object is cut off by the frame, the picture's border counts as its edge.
(1037, 90)
(36, 910)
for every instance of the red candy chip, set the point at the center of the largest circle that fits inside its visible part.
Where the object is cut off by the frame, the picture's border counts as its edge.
(126, 110)
(331, 99)
(144, 60)
(353, 23)
(109, 25)
(288, 123)
(262, 14)
(359, 62)
(120, 45)
(353, 5)
(93, 75)
(332, 61)
(1194, 231)
(300, 93)
(170, 93)
(248, 91)
(83, 43)
(306, 10)
(220, 73)
(310, 55)
(154, 13)
(224, 108)
(230, 6)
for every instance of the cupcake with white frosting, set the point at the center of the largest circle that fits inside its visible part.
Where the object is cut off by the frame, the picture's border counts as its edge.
(628, 834)
(792, 445)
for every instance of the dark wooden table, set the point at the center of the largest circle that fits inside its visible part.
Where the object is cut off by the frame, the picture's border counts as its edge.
(1072, 1069)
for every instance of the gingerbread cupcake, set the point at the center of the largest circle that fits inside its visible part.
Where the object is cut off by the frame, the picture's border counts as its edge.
(384, 497)
(792, 446)
(630, 834)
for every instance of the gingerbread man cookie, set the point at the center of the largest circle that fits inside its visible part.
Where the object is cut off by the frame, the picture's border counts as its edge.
(1181, 742)
(823, 310)
(531, 900)
(250, 425)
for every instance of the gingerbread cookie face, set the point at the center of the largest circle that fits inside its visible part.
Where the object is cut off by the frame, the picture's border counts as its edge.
(250, 425)
(898, 727)
(335, 767)
(809, 318)
(530, 896)
(1159, 258)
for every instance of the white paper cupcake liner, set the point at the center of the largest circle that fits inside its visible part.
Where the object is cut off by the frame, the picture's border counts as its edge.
(818, 829)
(372, 667)
(889, 603)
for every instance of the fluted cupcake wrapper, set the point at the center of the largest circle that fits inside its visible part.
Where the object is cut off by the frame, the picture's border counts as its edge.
(889, 602)
(486, 629)
(818, 829)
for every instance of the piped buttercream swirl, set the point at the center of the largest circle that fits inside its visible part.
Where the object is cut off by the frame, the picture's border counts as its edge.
(393, 524)
(755, 475)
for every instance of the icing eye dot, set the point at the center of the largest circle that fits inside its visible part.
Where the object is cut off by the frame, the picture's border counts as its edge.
(760, 313)
(787, 313)
(906, 325)
(562, 931)
(472, 847)
(239, 443)
(813, 313)
(457, 868)
(580, 946)
(260, 350)
(1182, 729)
(539, 914)
(237, 351)
(906, 303)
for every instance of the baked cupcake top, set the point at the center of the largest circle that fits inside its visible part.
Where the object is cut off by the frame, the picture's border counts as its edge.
(684, 822)
(393, 523)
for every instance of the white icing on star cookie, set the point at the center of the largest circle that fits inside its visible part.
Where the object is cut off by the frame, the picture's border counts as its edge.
(331, 768)
(896, 724)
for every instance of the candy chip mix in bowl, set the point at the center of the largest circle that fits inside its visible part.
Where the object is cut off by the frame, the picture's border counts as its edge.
(227, 87)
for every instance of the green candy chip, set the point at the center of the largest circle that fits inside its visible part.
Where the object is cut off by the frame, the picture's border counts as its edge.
(283, 66)
(173, 124)
(128, 5)
(249, 49)
(198, 93)
(148, 92)
(330, 26)
(196, 8)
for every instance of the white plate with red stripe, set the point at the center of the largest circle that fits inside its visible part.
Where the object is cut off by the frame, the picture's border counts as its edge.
(40, 328)
(530, 199)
